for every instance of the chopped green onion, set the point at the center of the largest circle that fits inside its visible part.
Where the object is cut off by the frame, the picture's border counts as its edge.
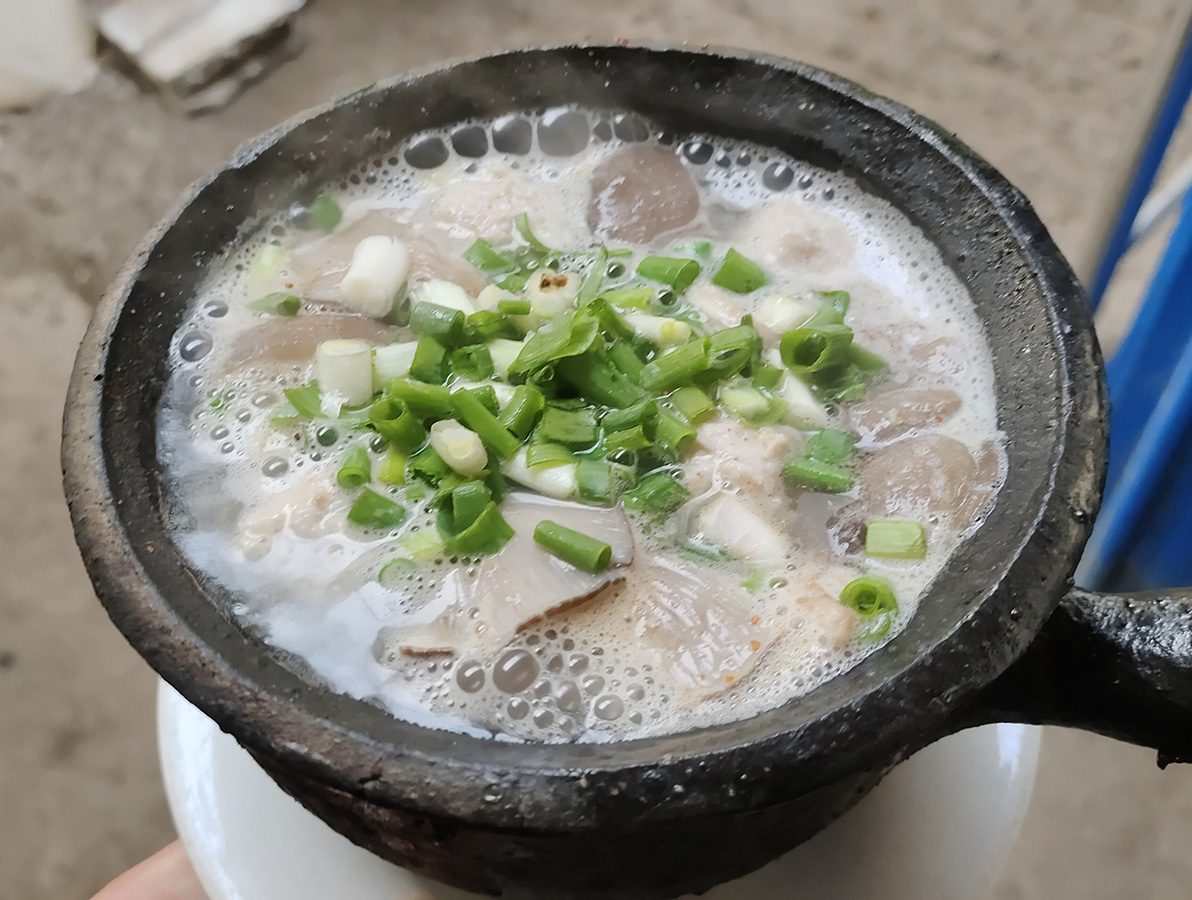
(514, 307)
(488, 324)
(872, 599)
(698, 249)
(278, 302)
(579, 549)
(833, 310)
(426, 401)
(487, 395)
(830, 445)
(745, 402)
(428, 465)
(542, 455)
(693, 404)
(474, 363)
(731, 350)
(522, 223)
(595, 480)
(679, 365)
(571, 427)
(306, 400)
(865, 360)
(658, 494)
(625, 358)
(395, 572)
(422, 546)
(739, 274)
(468, 502)
(589, 289)
(522, 411)
(393, 469)
(634, 438)
(393, 420)
(324, 213)
(478, 418)
(678, 273)
(443, 323)
(598, 381)
(356, 469)
(674, 435)
(639, 413)
(488, 533)
(895, 539)
(430, 361)
(483, 256)
(633, 298)
(826, 478)
(374, 511)
(766, 376)
(612, 323)
(808, 350)
(569, 333)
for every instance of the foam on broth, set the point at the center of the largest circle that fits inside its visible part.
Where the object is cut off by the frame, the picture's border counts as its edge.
(586, 674)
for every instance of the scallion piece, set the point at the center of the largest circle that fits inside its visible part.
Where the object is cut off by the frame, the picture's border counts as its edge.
(568, 333)
(393, 469)
(630, 298)
(827, 478)
(589, 289)
(514, 307)
(731, 350)
(598, 381)
(895, 539)
(474, 363)
(644, 411)
(395, 572)
(522, 223)
(674, 435)
(573, 547)
(808, 350)
(766, 376)
(543, 455)
(625, 358)
(739, 274)
(833, 310)
(374, 511)
(423, 545)
(487, 395)
(698, 249)
(306, 400)
(278, 302)
(428, 465)
(678, 273)
(430, 361)
(522, 411)
(487, 324)
(468, 501)
(679, 365)
(426, 401)
(576, 428)
(830, 445)
(693, 404)
(612, 323)
(356, 469)
(485, 257)
(658, 494)
(445, 324)
(595, 480)
(324, 213)
(865, 360)
(478, 418)
(745, 402)
(634, 438)
(488, 533)
(394, 422)
(873, 600)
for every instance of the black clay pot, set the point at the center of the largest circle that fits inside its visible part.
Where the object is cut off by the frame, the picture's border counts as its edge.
(1000, 635)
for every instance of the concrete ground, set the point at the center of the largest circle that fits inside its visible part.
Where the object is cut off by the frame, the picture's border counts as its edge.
(1046, 90)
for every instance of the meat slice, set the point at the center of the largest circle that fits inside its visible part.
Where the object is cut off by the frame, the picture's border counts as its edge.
(894, 413)
(640, 193)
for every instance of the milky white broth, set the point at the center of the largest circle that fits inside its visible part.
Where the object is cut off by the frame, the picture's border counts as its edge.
(673, 640)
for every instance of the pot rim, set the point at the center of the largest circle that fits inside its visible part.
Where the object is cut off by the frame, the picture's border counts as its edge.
(576, 787)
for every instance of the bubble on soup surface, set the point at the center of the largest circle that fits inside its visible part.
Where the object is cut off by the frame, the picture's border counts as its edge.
(568, 697)
(518, 708)
(778, 176)
(215, 309)
(470, 141)
(274, 467)
(515, 671)
(698, 152)
(593, 684)
(194, 345)
(608, 707)
(563, 132)
(470, 676)
(630, 128)
(427, 152)
(513, 134)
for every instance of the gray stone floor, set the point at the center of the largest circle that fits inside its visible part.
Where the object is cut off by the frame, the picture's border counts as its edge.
(1046, 90)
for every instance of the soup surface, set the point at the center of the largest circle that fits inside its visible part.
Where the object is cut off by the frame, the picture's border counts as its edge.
(557, 428)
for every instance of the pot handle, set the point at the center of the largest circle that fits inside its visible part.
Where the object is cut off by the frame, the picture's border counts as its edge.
(1116, 664)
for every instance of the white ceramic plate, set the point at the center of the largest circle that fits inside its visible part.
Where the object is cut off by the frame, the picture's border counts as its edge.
(937, 828)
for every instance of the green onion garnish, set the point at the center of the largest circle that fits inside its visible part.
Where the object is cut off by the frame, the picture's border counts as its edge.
(514, 307)
(571, 427)
(522, 411)
(393, 469)
(679, 365)
(428, 465)
(807, 350)
(739, 274)
(426, 401)
(693, 404)
(474, 363)
(474, 414)
(895, 539)
(443, 323)
(486, 395)
(598, 381)
(306, 400)
(488, 324)
(622, 355)
(594, 480)
(543, 455)
(374, 511)
(468, 501)
(678, 273)
(324, 213)
(698, 249)
(827, 478)
(589, 289)
(356, 469)
(633, 298)
(674, 435)
(278, 302)
(487, 258)
(644, 411)
(568, 333)
(873, 599)
(430, 361)
(393, 420)
(658, 494)
(488, 532)
(579, 549)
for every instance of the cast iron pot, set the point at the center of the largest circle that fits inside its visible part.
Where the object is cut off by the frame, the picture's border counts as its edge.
(1001, 635)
